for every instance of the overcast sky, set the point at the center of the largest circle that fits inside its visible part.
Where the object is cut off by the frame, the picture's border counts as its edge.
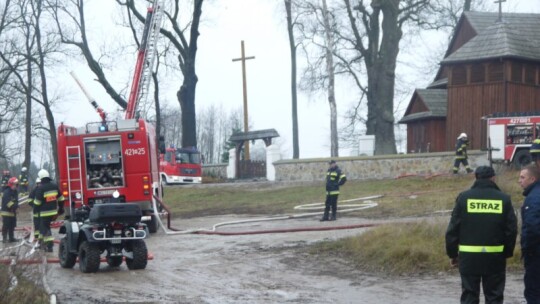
(261, 24)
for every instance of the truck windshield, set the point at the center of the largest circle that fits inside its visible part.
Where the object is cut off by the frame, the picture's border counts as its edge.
(188, 157)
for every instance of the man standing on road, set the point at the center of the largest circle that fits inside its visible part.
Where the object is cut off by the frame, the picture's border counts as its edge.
(50, 202)
(529, 180)
(334, 179)
(481, 235)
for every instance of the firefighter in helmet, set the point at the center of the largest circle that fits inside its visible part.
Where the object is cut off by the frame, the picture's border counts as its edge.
(35, 209)
(461, 153)
(10, 203)
(50, 202)
(534, 150)
(5, 178)
(23, 180)
(334, 179)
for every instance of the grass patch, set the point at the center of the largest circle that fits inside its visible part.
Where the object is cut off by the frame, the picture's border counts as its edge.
(398, 249)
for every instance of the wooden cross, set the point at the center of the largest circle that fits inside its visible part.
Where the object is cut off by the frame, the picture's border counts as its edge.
(500, 8)
(243, 59)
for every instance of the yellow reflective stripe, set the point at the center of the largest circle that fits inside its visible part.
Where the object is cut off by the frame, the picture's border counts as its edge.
(6, 213)
(36, 214)
(48, 238)
(37, 202)
(332, 192)
(48, 194)
(10, 204)
(484, 206)
(48, 213)
(534, 150)
(61, 198)
(488, 249)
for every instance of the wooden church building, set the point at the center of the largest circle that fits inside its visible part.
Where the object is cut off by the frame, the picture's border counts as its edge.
(492, 66)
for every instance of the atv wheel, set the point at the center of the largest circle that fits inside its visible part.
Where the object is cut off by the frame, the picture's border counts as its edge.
(140, 255)
(114, 261)
(67, 259)
(89, 257)
(153, 225)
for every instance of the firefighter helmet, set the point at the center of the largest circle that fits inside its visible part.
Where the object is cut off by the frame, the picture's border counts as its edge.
(462, 136)
(12, 182)
(43, 173)
(23, 169)
(534, 150)
(38, 180)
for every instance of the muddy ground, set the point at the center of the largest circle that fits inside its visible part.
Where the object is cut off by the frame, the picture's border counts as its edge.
(261, 268)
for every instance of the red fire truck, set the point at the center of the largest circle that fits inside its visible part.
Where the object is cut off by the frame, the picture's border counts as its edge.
(180, 166)
(115, 160)
(511, 136)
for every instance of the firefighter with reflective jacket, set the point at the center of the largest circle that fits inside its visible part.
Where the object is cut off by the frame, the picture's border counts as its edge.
(50, 201)
(10, 203)
(23, 180)
(461, 153)
(35, 210)
(480, 237)
(5, 178)
(534, 150)
(334, 179)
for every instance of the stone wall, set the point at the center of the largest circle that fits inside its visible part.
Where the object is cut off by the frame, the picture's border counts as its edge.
(375, 167)
(215, 170)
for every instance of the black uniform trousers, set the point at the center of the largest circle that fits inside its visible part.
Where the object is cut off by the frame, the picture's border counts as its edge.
(45, 230)
(330, 203)
(8, 227)
(37, 227)
(532, 278)
(459, 161)
(492, 285)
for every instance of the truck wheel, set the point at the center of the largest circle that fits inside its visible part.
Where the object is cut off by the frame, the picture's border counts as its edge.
(67, 259)
(140, 255)
(89, 257)
(114, 261)
(522, 158)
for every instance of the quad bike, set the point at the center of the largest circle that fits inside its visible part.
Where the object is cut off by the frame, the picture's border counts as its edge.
(114, 228)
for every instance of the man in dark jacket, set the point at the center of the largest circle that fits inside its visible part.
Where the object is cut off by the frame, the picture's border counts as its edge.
(529, 180)
(461, 153)
(334, 179)
(481, 235)
(10, 203)
(50, 201)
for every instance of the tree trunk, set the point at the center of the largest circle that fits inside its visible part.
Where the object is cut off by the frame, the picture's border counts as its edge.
(28, 118)
(292, 46)
(44, 94)
(467, 5)
(334, 147)
(186, 94)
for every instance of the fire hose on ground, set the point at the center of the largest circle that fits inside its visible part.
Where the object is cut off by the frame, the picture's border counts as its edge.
(368, 203)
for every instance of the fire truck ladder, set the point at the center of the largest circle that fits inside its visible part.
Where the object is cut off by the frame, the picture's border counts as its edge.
(146, 60)
(74, 174)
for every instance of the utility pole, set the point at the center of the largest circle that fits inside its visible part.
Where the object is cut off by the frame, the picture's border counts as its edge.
(243, 59)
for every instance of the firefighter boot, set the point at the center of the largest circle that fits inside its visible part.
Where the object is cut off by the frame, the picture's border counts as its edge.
(469, 170)
(4, 237)
(49, 247)
(325, 216)
(333, 217)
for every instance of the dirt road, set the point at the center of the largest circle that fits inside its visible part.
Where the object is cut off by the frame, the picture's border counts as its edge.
(262, 268)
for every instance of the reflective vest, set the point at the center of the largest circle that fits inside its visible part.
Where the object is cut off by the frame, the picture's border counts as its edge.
(47, 198)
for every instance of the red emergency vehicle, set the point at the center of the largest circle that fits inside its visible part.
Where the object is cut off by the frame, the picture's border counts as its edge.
(511, 137)
(180, 166)
(107, 157)
(116, 160)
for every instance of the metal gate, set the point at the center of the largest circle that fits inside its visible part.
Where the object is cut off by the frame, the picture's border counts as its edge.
(251, 168)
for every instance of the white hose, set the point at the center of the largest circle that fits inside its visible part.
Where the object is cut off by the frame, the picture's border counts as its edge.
(353, 207)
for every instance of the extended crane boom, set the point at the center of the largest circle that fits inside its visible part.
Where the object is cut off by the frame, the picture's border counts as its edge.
(91, 99)
(145, 60)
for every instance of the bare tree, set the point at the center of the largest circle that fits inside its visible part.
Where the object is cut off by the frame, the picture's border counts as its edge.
(186, 48)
